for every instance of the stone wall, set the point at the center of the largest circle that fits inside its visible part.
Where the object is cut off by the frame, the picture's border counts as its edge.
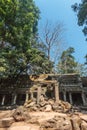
(72, 88)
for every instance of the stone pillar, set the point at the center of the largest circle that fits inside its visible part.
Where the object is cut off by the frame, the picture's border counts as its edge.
(70, 98)
(38, 94)
(14, 98)
(83, 98)
(64, 96)
(31, 94)
(3, 100)
(27, 96)
(57, 92)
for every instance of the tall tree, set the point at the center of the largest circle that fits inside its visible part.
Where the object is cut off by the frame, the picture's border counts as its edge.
(18, 27)
(51, 39)
(81, 10)
(67, 63)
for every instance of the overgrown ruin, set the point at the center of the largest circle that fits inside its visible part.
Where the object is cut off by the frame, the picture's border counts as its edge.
(67, 87)
(44, 102)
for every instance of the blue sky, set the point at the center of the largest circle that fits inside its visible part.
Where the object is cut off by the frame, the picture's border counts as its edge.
(60, 10)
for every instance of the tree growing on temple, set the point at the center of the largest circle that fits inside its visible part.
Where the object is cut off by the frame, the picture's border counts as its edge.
(67, 63)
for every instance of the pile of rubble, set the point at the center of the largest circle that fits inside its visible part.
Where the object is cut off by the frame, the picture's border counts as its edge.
(70, 122)
(60, 121)
(48, 105)
(24, 120)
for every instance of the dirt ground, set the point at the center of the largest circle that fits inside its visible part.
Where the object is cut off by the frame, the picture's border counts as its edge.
(48, 120)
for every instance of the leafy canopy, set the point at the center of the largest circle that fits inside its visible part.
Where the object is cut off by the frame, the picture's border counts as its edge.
(18, 27)
(67, 63)
(81, 10)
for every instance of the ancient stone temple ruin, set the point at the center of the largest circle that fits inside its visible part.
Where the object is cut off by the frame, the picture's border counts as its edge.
(67, 87)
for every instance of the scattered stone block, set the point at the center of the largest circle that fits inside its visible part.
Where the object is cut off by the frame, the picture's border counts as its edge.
(20, 128)
(76, 122)
(48, 108)
(6, 122)
(20, 114)
(84, 125)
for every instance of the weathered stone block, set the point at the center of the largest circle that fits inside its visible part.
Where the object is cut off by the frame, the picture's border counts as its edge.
(76, 122)
(84, 125)
(19, 128)
(6, 122)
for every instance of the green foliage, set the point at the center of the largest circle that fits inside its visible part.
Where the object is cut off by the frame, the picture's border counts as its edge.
(81, 11)
(18, 27)
(39, 62)
(67, 63)
(18, 21)
(81, 69)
